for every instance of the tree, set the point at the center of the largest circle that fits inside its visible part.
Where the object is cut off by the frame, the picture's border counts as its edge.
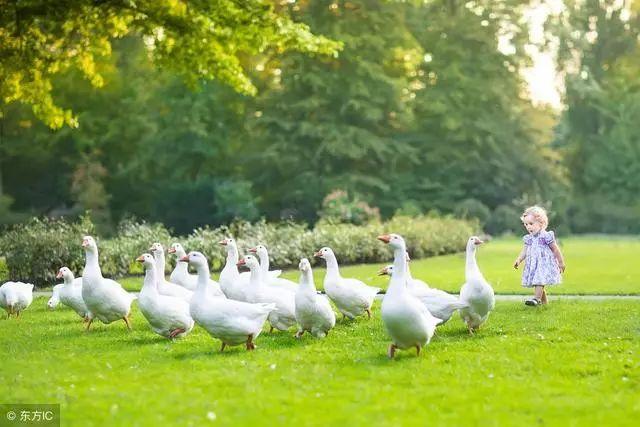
(329, 123)
(599, 51)
(200, 40)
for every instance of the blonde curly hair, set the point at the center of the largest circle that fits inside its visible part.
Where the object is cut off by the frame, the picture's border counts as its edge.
(538, 213)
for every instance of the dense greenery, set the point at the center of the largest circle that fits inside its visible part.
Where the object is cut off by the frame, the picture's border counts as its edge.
(421, 111)
(525, 367)
(35, 251)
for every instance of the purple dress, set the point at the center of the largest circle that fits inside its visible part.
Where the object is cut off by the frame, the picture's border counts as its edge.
(541, 266)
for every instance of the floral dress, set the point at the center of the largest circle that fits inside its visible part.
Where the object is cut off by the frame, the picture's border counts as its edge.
(541, 266)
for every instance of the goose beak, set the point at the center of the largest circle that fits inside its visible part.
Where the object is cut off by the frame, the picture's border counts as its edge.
(384, 238)
(223, 242)
(85, 243)
(479, 242)
(253, 250)
(241, 263)
(318, 254)
(140, 259)
(59, 275)
(383, 272)
(172, 250)
(185, 258)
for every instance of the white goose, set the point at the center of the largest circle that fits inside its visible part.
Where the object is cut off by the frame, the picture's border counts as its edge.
(165, 287)
(407, 320)
(284, 316)
(233, 283)
(313, 312)
(181, 276)
(439, 303)
(15, 297)
(168, 316)
(476, 293)
(69, 293)
(272, 277)
(351, 296)
(232, 322)
(105, 298)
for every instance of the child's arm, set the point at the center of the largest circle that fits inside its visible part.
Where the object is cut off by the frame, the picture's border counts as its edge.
(556, 251)
(521, 257)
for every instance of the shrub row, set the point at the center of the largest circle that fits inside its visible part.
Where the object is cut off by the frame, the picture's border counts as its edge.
(34, 251)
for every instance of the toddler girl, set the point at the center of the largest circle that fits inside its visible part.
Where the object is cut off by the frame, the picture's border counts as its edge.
(544, 262)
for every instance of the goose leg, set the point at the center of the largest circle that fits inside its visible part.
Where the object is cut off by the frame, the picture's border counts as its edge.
(418, 348)
(175, 332)
(470, 329)
(88, 324)
(271, 329)
(368, 313)
(250, 344)
(222, 347)
(300, 333)
(392, 351)
(127, 321)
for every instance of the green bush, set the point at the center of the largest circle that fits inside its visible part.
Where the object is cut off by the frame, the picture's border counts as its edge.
(504, 219)
(338, 207)
(36, 250)
(472, 209)
(117, 255)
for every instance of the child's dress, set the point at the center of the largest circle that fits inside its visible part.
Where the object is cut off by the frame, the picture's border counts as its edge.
(541, 267)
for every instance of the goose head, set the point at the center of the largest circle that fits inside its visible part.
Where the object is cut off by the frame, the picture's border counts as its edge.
(156, 249)
(324, 253)
(65, 273)
(249, 261)
(260, 250)
(89, 244)
(147, 260)
(196, 259)
(473, 242)
(386, 271)
(304, 265)
(176, 248)
(394, 240)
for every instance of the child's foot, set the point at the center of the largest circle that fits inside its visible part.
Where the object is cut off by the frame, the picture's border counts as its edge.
(533, 302)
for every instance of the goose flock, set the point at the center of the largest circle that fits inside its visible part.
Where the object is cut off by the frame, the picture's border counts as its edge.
(235, 309)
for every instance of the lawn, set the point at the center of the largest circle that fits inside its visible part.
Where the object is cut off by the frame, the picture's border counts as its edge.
(595, 265)
(571, 363)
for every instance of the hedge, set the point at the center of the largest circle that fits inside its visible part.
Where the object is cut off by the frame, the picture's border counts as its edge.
(34, 251)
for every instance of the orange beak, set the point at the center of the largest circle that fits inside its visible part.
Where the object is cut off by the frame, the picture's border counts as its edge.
(185, 258)
(140, 259)
(383, 272)
(318, 254)
(384, 238)
(253, 250)
(59, 275)
(85, 243)
(479, 242)
(223, 242)
(172, 250)
(241, 263)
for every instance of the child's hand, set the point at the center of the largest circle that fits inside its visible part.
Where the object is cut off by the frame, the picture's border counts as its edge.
(561, 267)
(516, 264)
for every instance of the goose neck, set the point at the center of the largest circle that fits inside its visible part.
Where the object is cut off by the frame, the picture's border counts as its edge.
(471, 267)
(333, 271)
(92, 264)
(398, 282)
(150, 284)
(306, 281)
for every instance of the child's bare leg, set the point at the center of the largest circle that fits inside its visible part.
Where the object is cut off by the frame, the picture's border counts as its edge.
(543, 298)
(538, 292)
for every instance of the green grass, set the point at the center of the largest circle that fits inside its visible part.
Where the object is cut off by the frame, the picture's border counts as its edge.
(573, 363)
(594, 266)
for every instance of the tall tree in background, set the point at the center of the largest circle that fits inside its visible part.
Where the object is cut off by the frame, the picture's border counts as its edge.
(599, 54)
(330, 123)
(198, 39)
(477, 134)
